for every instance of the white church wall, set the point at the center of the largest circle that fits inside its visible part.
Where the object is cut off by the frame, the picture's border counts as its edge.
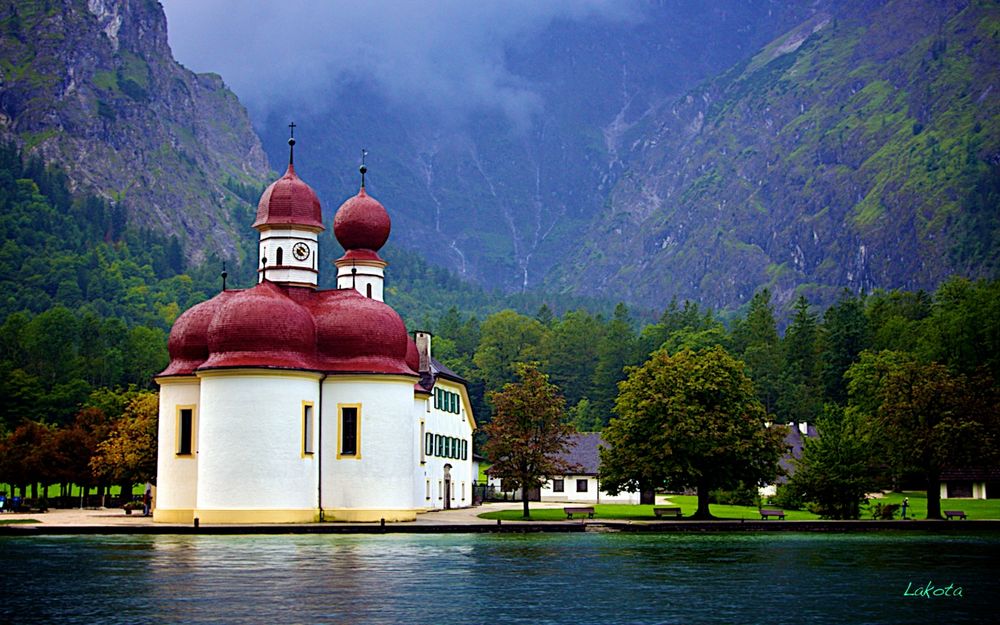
(251, 465)
(176, 475)
(377, 481)
(445, 426)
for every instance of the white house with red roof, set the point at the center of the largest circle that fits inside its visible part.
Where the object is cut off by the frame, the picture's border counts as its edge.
(288, 403)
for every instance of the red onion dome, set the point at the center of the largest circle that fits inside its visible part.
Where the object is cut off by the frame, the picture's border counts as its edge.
(361, 223)
(289, 201)
(412, 355)
(188, 343)
(359, 334)
(261, 327)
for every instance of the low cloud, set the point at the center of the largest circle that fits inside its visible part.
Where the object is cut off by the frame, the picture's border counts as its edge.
(446, 54)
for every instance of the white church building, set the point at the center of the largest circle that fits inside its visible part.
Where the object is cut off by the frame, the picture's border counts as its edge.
(285, 403)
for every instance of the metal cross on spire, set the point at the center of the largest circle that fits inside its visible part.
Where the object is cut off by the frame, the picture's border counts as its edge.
(291, 143)
(364, 168)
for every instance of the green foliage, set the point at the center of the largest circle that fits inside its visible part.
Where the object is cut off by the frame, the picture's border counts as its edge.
(837, 469)
(527, 432)
(926, 417)
(689, 420)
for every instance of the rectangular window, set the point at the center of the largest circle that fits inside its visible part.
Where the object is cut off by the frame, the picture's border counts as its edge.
(423, 443)
(437, 398)
(428, 444)
(440, 489)
(558, 486)
(185, 431)
(581, 486)
(465, 450)
(307, 428)
(428, 496)
(350, 430)
(453, 402)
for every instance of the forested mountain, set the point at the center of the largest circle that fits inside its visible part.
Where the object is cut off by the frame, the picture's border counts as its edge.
(860, 150)
(91, 85)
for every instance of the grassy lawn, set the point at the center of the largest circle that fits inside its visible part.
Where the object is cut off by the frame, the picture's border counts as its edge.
(975, 508)
(17, 521)
(53, 490)
(688, 504)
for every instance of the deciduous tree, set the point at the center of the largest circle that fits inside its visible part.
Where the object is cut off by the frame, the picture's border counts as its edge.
(527, 432)
(691, 419)
(128, 455)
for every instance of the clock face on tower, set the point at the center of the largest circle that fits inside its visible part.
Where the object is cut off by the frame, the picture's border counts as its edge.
(300, 251)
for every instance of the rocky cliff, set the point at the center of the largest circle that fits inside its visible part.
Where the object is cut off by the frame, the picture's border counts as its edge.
(859, 149)
(91, 85)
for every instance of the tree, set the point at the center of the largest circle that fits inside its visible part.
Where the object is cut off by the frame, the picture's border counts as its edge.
(836, 469)
(755, 338)
(572, 348)
(128, 455)
(928, 418)
(845, 336)
(506, 339)
(527, 432)
(691, 419)
(800, 398)
(615, 351)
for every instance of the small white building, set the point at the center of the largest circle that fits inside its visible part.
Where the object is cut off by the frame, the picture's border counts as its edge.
(584, 484)
(287, 403)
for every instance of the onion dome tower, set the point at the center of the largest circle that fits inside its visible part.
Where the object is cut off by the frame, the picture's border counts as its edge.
(362, 227)
(289, 220)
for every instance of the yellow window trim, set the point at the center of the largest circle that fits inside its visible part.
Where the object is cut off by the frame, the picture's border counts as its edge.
(177, 429)
(308, 454)
(357, 433)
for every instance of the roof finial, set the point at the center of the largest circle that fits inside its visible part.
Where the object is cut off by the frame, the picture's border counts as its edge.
(291, 143)
(263, 271)
(224, 275)
(354, 276)
(363, 169)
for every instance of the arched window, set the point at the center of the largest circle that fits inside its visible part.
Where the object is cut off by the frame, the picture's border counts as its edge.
(281, 256)
(369, 291)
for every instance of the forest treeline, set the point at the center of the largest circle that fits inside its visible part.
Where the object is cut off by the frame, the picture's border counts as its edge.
(87, 302)
(795, 373)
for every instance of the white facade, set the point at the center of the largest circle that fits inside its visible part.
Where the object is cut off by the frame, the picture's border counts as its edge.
(367, 277)
(266, 446)
(292, 256)
(267, 417)
(583, 489)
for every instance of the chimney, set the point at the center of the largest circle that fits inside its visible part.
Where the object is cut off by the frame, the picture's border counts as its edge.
(423, 340)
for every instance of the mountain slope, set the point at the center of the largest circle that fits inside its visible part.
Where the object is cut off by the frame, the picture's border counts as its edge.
(861, 149)
(91, 85)
(502, 200)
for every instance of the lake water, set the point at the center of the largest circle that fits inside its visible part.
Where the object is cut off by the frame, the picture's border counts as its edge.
(499, 578)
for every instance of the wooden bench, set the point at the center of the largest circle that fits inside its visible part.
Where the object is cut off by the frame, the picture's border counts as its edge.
(764, 513)
(588, 510)
(674, 511)
(948, 514)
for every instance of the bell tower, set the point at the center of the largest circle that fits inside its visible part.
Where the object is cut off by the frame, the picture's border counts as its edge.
(289, 220)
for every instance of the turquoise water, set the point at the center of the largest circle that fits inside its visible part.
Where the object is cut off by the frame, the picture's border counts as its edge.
(533, 579)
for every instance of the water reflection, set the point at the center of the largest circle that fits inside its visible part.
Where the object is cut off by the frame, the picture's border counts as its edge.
(536, 579)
